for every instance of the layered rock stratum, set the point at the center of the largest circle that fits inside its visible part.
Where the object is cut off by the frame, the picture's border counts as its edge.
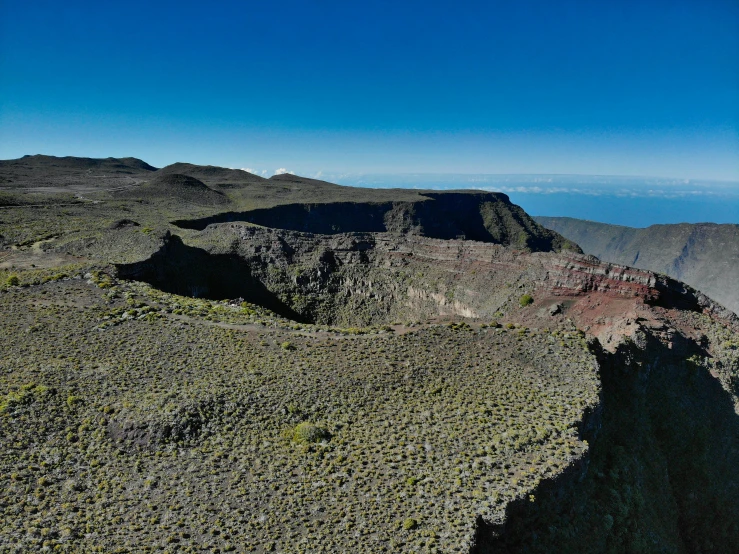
(705, 255)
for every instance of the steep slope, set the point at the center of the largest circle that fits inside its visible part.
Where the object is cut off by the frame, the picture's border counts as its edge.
(704, 255)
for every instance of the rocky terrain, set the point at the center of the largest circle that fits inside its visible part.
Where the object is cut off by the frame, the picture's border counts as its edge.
(704, 255)
(292, 366)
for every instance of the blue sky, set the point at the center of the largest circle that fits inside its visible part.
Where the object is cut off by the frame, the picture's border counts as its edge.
(609, 88)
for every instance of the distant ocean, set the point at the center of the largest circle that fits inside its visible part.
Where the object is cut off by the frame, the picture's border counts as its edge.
(632, 201)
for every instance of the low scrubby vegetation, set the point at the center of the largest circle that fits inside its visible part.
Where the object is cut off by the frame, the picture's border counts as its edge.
(131, 426)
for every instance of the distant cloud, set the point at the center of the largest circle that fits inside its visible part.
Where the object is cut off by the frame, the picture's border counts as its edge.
(620, 192)
(255, 171)
(267, 173)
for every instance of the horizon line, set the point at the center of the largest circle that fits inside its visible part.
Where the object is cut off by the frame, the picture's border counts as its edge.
(330, 173)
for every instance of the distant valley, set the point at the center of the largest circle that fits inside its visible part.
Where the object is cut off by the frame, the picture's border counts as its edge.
(703, 255)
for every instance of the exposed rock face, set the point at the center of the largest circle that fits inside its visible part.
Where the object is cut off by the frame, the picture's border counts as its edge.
(704, 255)
(660, 475)
(365, 278)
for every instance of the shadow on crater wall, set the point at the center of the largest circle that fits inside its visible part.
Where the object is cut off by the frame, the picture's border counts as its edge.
(483, 216)
(662, 471)
(188, 271)
(324, 219)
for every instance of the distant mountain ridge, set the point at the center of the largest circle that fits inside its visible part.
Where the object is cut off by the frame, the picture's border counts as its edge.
(703, 255)
(73, 163)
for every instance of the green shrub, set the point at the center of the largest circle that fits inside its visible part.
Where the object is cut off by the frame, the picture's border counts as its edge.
(409, 524)
(13, 281)
(72, 400)
(309, 433)
(525, 300)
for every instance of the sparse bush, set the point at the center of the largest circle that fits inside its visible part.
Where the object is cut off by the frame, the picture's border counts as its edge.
(72, 400)
(309, 433)
(13, 281)
(409, 524)
(525, 300)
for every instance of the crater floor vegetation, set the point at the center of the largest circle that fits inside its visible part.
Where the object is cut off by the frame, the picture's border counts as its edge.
(162, 422)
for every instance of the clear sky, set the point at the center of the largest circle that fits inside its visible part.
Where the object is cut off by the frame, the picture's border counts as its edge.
(593, 87)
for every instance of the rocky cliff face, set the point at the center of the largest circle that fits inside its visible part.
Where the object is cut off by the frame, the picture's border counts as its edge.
(660, 477)
(485, 217)
(704, 255)
(366, 278)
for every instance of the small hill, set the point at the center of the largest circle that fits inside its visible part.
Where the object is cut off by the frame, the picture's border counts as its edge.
(297, 179)
(703, 255)
(181, 189)
(212, 175)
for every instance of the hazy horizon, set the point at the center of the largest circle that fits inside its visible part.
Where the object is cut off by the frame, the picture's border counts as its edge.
(635, 201)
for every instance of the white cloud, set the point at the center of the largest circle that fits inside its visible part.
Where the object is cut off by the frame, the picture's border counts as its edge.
(636, 192)
(261, 172)
(282, 171)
